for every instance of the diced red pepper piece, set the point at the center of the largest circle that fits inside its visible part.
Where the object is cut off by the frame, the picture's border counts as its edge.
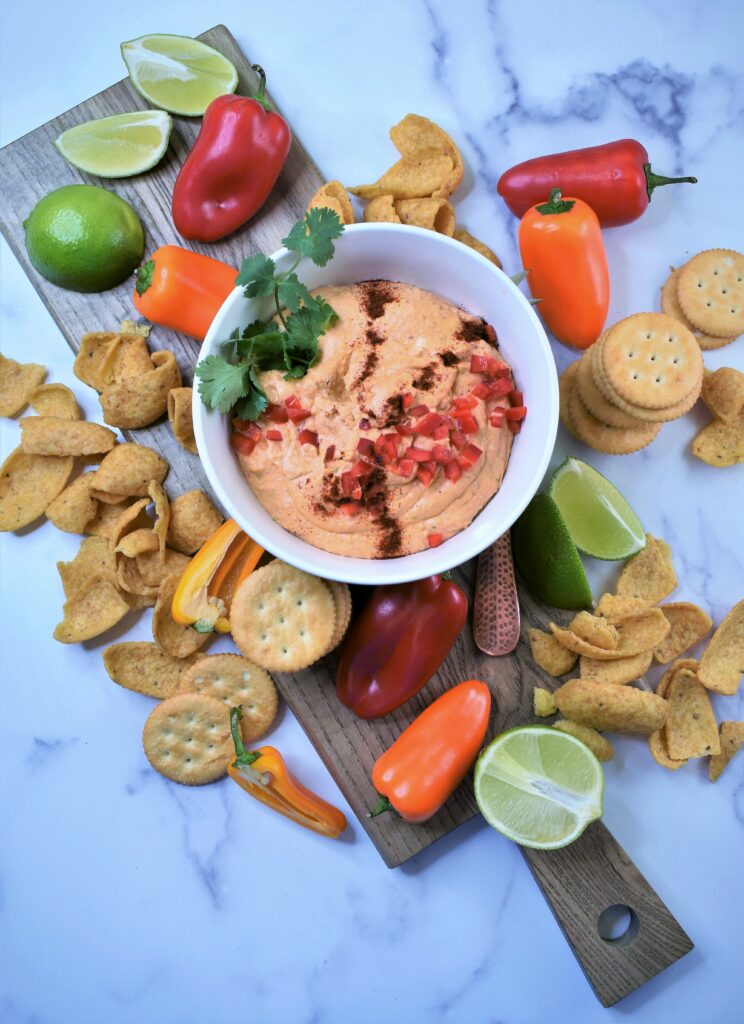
(309, 437)
(417, 454)
(418, 411)
(458, 439)
(491, 334)
(297, 415)
(452, 471)
(516, 413)
(361, 469)
(426, 473)
(291, 402)
(496, 419)
(514, 425)
(350, 486)
(405, 429)
(441, 433)
(349, 509)
(330, 453)
(494, 367)
(469, 425)
(471, 452)
(435, 539)
(481, 391)
(441, 454)
(242, 444)
(273, 435)
(394, 439)
(516, 397)
(478, 364)
(365, 446)
(407, 400)
(404, 467)
(276, 414)
(429, 424)
(499, 388)
(249, 428)
(463, 402)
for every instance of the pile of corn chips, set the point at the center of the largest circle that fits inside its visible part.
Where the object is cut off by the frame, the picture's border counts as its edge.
(616, 645)
(415, 190)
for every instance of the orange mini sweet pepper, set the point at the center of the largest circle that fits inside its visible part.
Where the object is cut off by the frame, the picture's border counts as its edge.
(205, 591)
(264, 774)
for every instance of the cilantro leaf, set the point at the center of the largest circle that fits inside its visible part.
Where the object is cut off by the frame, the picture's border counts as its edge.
(255, 401)
(257, 275)
(292, 292)
(313, 237)
(265, 348)
(221, 384)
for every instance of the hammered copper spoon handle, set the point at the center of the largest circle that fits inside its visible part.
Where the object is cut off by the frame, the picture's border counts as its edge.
(496, 606)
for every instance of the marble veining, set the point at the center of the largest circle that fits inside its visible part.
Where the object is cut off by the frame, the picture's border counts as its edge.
(131, 900)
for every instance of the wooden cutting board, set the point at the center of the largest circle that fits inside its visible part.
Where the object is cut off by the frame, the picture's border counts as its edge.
(580, 881)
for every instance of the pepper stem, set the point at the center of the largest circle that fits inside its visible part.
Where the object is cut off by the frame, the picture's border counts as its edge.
(382, 805)
(245, 757)
(555, 204)
(260, 96)
(654, 180)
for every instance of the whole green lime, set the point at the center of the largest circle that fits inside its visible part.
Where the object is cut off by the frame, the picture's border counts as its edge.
(84, 238)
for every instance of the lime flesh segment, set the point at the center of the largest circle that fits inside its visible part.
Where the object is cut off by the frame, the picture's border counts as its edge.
(178, 73)
(599, 519)
(547, 558)
(118, 146)
(538, 786)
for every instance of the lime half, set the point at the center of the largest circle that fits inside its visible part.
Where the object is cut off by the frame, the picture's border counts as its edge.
(538, 786)
(118, 146)
(178, 73)
(598, 517)
(547, 558)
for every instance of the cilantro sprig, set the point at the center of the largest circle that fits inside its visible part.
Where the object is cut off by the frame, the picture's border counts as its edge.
(289, 340)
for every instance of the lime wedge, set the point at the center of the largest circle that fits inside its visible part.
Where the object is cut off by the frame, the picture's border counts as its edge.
(118, 146)
(598, 517)
(538, 786)
(547, 558)
(178, 73)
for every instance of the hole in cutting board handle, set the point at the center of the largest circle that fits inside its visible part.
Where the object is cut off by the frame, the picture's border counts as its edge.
(618, 925)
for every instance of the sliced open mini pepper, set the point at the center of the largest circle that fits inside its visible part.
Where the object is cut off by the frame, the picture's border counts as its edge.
(264, 774)
(398, 642)
(205, 591)
(432, 756)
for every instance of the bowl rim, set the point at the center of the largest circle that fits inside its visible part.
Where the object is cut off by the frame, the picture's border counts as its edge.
(376, 571)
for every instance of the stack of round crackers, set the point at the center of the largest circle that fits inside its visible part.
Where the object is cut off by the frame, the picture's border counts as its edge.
(644, 371)
(707, 296)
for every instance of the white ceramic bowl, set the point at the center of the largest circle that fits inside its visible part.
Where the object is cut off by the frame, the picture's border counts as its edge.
(459, 274)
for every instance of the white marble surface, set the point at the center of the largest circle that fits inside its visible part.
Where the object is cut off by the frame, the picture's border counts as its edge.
(127, 899)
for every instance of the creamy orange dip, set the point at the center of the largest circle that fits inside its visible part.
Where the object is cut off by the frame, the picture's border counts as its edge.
(383, 448)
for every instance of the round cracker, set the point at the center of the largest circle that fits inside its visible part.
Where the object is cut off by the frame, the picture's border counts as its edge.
(235, 681)
(566, 383)
(596, 403)
(651, 360)
(670, 305)
(282, 618)
(710, 291)
(642, 415)
(187, 739)
(342, 603)
(610, 440)
(170, 636)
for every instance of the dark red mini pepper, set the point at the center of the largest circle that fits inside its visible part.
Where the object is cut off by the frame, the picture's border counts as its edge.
(398, 642)
(615, 179)
(232, 168)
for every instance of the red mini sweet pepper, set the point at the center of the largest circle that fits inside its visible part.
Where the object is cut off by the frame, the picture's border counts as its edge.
(402, 636)
(615, 179)
(233, 166)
